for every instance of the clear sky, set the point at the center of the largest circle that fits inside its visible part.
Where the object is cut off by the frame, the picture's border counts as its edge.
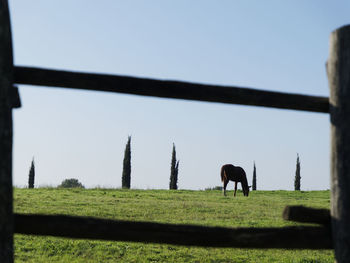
(269, 45)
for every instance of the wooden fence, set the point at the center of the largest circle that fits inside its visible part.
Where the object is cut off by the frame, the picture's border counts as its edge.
(333, 230)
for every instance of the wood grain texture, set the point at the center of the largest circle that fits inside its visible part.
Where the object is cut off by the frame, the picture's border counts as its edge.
(169, 89)
(338, 69)
(6, 79)
(186, 235)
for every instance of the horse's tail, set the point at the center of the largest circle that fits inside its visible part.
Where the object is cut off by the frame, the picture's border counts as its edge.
(223, 173)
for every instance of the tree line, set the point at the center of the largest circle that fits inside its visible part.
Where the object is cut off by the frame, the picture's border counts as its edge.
(126, 175)
(174, 170)
(297, 177)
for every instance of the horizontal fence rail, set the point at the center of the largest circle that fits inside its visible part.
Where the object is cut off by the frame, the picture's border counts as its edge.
(301, 237)
(169, 89)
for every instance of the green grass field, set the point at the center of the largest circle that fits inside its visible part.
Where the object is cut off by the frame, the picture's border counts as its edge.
(209, 208)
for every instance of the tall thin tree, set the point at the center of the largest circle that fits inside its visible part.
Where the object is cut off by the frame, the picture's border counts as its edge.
(126, 176)
(31, 175)
(297, 175)
(174, 170)
(254, 178)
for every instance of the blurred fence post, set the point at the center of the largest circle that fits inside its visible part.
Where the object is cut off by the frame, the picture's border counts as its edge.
(338, 69)
(6, 81)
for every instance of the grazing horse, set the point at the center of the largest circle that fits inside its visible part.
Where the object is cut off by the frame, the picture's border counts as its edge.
(235, 174)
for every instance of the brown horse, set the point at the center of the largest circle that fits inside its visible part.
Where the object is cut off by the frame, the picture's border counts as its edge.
(236, 174)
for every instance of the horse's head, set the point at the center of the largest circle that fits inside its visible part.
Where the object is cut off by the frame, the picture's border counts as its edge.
(246, 191)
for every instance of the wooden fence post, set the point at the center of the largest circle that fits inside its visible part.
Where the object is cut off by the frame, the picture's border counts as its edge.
(6, 81)
(338, 69)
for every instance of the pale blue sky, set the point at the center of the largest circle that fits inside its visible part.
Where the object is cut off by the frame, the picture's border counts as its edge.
(272, 45)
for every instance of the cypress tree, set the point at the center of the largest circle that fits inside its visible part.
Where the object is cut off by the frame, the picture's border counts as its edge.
(297, 175)
(126, 176)
(31, 175)
(254, 178)
(174, 169)
(176, 173)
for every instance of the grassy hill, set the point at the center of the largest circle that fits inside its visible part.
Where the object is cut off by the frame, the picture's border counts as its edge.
(209, 208)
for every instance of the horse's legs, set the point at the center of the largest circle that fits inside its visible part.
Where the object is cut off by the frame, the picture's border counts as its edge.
(225, 184)
(235, 189)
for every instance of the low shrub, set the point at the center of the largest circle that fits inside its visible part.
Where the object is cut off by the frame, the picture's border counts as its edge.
(214, 188)
(71, 183)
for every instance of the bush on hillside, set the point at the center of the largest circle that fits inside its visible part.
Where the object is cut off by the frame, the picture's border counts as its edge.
(71, 183)
(214, 188)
